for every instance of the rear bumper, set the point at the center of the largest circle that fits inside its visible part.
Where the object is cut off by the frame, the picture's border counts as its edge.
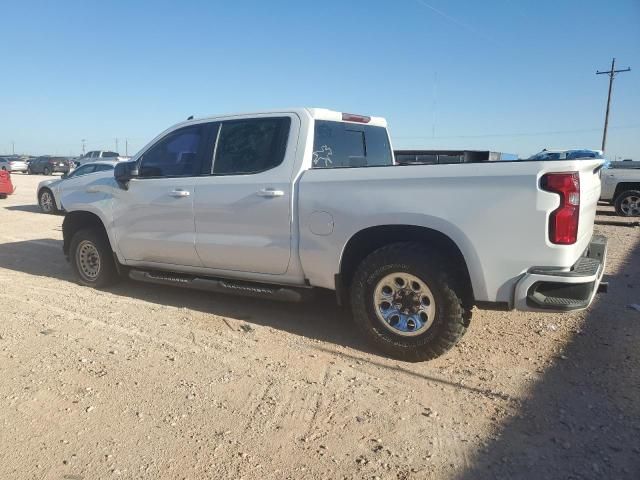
(553, 290)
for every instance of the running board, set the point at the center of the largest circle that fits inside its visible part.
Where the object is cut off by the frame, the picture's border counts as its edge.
(233, 287)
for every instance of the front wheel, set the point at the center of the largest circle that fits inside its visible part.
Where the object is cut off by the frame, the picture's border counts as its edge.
(407, 303)
(47, 201)
(92, 260)
(628, 203)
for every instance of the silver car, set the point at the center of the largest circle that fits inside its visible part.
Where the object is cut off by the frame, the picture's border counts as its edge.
(49, 191)
(13, 164)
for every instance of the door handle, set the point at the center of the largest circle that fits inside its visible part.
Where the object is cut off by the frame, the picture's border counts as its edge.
(178, 193)
(270, 193)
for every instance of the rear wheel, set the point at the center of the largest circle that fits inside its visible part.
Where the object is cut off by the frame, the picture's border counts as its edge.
(47, 170)
(92, 259)
(407, 303)
(47, 201)
(628, 203)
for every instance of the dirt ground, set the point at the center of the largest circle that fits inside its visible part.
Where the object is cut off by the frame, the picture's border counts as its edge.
(142, 381)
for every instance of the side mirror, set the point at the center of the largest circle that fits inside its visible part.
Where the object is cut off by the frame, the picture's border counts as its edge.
(125, 171)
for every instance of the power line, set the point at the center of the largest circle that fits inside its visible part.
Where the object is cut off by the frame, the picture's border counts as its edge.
(612, 74)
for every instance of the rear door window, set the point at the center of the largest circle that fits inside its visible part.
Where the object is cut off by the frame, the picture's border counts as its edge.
(341, 144)
(250, 146)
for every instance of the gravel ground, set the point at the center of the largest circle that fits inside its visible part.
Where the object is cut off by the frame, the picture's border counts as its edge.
(142, 381)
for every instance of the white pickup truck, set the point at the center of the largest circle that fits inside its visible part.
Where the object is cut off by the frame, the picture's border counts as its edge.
(276, 204)
(96, 155)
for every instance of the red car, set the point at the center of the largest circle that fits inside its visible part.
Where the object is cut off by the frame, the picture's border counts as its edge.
(6, 187)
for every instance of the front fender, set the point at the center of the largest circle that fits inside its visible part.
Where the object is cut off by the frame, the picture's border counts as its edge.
(96, 198)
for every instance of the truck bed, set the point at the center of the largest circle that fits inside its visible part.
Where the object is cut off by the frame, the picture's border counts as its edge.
(482, 207)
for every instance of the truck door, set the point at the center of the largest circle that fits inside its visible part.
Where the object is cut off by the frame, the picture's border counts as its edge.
(153, 218)
(243, 209)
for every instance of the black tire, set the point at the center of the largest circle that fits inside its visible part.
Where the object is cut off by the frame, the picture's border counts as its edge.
(3, 196)
(107, 273)
(625, 202)
(53, 209)
(451, 316)
(47, 171)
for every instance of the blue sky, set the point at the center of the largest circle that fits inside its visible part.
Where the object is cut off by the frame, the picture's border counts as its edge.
(505, 75)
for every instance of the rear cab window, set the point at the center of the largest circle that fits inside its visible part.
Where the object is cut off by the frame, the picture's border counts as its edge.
(343, 145)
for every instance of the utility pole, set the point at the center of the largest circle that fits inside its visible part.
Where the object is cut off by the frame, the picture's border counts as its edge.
(116, 144)
(13, 147)
(126, 147)
(83, 145)
(612, 74)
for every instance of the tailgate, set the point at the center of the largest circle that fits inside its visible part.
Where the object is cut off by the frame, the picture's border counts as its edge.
(589, 196)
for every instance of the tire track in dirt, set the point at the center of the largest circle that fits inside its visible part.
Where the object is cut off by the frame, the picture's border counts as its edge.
(186, 347)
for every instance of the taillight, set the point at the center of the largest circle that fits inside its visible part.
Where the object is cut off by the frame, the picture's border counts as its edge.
(563, 221)
(350, 117)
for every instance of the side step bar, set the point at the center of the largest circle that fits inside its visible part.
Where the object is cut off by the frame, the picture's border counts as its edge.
(232, 287)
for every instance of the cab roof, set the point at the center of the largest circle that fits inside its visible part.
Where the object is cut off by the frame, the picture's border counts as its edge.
(315, 113)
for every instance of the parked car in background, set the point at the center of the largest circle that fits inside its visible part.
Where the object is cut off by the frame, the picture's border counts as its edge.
(6, 187)
(13, 164)
(95, 155)
(566, 154)
(277, 203)
(628, 163)
(621, 188)
(49, 191)
(48, 165)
